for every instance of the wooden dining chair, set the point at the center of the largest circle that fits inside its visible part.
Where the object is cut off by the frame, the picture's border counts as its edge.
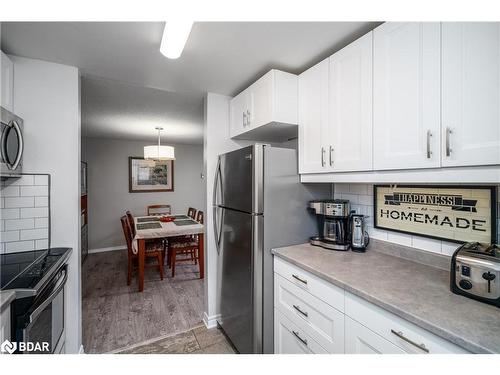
(192, 212)
(159, 209)
(188, 248)
(151, 243)
(153, 250)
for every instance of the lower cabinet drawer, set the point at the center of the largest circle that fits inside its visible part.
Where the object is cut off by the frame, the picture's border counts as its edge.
(361, 340)
(316, 318)
(406, 335)
(290, 339)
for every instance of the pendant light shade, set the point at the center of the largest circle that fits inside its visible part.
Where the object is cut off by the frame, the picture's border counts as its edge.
(159, 152)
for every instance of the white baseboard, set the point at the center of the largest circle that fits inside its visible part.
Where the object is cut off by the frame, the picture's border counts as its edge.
(104, 249)
(210, 321)
(81, 351)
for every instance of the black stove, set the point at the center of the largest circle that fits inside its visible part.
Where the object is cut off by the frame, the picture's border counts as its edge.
(26, 270)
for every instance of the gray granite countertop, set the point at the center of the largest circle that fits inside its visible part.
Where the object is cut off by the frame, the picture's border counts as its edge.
(6, 297)
(407, 288)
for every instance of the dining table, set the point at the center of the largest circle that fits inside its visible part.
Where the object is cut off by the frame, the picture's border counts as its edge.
(150, 227)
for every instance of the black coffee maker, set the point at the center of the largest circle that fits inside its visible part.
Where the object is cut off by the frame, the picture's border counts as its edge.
(333, 216)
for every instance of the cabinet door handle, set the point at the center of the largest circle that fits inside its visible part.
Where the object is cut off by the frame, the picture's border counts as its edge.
(300, 310)
(303, 341)
(429, 152)
(402, 337)
(244, 119)
(448, 142)
(299, 279)
(249, 119)
(322, 156)
(331, 158)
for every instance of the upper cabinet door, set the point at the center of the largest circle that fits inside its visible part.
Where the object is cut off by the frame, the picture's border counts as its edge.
(471, 94)
(406, 102)
(238, 113)
(260, 109)
(313, 118)
(6, 82)
(350, 110)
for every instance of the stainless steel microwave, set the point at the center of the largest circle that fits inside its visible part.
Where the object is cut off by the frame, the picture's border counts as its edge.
(11, 144)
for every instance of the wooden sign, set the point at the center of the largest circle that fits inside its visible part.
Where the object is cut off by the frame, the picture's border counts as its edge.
(458, 214)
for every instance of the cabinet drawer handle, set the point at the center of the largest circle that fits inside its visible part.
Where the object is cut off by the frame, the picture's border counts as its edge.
(249, 119)
(300, 310)
(331, 158)
(322, 156)
(429, 152)
(299, 279)
(448, 142)
(402, 337)
(303, 341)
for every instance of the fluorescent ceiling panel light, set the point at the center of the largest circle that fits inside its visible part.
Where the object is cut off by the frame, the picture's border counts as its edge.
(175, 36)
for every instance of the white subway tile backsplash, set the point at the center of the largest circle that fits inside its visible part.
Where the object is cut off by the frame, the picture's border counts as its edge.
(366, 200)
(10, 191)
(41, 179)
(31, 191)
(378, 234)
(41, 201)
(2, 202)
(13, 247)
(27, 179)
(34, 212)
(9, 213)
(353, 198)
(2, 225)
(427, 244)
(17, 224)
(399, 238)
(448, 248)
(9, 236)
(18, 202)
(34, 234)
(41, 244)
(358, 189)
(341, 188)
(41, 222)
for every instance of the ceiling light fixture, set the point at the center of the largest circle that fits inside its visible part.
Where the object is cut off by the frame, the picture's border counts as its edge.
(159, 152)
(175, 36)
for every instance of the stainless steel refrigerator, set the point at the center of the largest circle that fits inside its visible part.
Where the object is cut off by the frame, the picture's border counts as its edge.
(259, 204)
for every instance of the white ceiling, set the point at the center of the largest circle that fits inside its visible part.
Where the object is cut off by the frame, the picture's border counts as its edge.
(220, 57)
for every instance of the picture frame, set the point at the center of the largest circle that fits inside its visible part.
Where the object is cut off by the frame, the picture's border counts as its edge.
(149, 176)
(459, 215)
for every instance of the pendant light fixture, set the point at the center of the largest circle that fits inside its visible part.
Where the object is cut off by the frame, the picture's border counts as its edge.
(159, 152)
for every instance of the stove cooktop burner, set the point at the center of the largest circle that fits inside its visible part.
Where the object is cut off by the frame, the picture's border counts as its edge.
(26, 269)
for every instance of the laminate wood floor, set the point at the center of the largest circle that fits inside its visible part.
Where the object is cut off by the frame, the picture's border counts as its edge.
(116, 315)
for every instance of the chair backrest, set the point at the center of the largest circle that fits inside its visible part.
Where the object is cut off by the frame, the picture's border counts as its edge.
(199, 217)
(192, 212)
(159, 209)
(131, 224)
(127, 233)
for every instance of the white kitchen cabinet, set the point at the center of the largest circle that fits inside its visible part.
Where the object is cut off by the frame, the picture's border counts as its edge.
(350, 108)
(290, 339)
(361, 340)
(7, 82)
(470, 93)
(313, 118)
(406, 95)
(267, 110)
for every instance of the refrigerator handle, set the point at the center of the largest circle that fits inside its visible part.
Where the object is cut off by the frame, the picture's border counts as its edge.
(214, 202)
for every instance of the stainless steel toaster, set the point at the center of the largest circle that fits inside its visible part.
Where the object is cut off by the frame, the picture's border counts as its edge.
(475, 272)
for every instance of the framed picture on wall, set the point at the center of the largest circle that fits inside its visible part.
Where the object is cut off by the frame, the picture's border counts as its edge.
(146, 176)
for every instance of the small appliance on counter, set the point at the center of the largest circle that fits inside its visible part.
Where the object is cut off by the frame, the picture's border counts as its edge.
(333, 218)
(475, 272)
(359, 235)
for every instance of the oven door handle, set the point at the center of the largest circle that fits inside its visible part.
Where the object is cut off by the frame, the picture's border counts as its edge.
(58, 287)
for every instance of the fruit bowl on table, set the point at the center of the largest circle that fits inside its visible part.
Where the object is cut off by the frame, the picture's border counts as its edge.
(166, 219)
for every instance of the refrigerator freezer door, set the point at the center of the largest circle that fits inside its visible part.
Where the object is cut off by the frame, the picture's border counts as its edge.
(240, 181)
(236, 305)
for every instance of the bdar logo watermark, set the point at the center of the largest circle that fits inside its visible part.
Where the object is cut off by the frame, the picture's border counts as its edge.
(38, 347)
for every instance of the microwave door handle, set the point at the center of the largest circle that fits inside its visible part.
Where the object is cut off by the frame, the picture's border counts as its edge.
(19, 133)
(48, 300)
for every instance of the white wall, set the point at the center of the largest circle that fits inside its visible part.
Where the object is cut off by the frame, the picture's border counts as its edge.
(108, 190)
(361, 199)
(216, 141)
(47, 97)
